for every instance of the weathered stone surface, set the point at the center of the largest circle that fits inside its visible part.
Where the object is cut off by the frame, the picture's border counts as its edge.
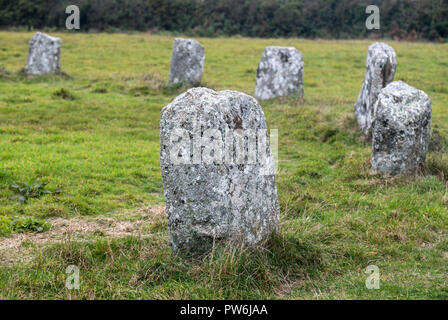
(43, 55)
(380, 71)
(187, 62)
(212, 194)
(279, 73)
(401, 130)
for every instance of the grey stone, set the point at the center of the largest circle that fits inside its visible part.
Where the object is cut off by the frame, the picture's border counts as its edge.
(187, 62)
(211, 195)
(401, 130)
(380, 71)
(279, 73)
(43, 55)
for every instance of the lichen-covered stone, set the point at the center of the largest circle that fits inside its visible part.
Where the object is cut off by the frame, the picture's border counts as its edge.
(401, 130)
(279, 73)
(187, 62)
(43, 55)
(380, 71)
(213, 193)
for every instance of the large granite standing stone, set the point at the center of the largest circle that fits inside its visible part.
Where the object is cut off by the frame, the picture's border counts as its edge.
(43, 55)
(187, 62)
(212, 194)
(279, 73)
(380, 71)
(401, 130)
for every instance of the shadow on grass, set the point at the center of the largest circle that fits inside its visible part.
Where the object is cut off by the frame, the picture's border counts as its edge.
(21, 76)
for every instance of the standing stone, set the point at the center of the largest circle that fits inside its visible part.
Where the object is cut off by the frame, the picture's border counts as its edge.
(401, 130)
(43, 55)
(380, 71)
(214, 189)
(187, 62)
(279, 73)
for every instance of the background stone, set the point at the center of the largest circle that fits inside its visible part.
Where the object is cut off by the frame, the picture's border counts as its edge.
(401, 130)
(187, 62)
(380, 71)
(279, 73)
(44, 55)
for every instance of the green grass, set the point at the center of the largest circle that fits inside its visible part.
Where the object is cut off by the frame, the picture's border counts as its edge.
(94, 132)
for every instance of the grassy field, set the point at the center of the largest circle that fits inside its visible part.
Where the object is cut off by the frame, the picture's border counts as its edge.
(93, 132)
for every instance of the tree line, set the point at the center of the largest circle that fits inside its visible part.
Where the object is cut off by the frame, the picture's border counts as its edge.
(399, 19)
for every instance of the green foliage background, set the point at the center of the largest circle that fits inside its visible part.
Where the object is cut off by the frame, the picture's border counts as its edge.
(402, 19)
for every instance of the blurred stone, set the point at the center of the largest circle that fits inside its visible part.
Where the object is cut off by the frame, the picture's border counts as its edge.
(401, 130)
(211, 192)
(187, 62)
(44, 55)
(380, 71)
(279, 73)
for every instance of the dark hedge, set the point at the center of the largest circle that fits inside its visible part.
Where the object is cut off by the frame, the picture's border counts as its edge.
(402, 19)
